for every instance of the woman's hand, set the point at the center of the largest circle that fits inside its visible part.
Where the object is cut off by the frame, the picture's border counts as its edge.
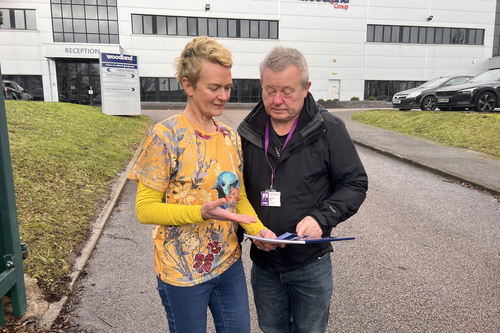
(266, 233)
(212, 210)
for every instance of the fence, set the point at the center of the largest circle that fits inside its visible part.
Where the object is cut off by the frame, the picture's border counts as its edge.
(11, 259)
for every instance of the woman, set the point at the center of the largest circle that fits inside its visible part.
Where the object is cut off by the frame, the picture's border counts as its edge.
(190, 185)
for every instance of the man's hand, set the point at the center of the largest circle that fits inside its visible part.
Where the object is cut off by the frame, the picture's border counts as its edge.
(212, 210)
(308, 227)
(266, 233)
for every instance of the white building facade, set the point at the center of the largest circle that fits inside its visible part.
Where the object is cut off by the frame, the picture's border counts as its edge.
(354, 48)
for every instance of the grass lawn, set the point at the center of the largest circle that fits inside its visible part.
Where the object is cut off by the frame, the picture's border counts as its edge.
(64, 159)
(474, 131)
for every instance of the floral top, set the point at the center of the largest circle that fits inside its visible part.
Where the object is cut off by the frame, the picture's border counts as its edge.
(192, 167)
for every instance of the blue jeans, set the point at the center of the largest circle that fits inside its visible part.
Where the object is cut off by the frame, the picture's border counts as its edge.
(225, 295)
(296, 301)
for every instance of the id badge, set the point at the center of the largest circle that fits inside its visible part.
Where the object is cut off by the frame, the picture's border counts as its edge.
(270, 198)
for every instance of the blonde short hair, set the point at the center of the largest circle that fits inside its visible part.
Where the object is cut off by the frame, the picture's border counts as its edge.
(188, 65)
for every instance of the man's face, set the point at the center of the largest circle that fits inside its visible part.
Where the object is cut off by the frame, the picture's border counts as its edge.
(283, 94)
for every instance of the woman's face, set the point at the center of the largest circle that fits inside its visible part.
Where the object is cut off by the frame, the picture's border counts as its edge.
(212, 90)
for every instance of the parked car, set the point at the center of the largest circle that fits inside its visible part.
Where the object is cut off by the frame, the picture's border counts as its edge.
(480, 93)
(422, 97)
(15, 91)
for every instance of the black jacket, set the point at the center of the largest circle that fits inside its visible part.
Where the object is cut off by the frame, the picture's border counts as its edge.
(319, 175)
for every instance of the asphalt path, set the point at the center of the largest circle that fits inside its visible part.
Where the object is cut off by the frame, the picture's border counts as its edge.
(426, 259)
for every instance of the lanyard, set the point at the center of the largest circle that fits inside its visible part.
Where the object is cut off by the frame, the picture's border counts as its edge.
(283, 148)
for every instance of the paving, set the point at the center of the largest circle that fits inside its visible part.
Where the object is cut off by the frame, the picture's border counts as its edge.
(113, 267)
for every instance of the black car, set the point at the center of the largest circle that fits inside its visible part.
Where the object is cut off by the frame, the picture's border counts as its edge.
(13, 90)
(422, 97)
(480, 93)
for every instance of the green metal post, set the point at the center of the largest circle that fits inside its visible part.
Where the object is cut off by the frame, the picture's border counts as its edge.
(11, 258)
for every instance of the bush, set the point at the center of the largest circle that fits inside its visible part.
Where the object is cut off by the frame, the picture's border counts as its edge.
(372, 98)
(336, 100)
(328, 100)
(321, 100)
(354, 98)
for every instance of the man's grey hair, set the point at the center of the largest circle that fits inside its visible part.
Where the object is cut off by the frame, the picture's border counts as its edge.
(281, 57)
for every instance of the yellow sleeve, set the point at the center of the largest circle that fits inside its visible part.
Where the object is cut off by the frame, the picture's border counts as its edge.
(245, 207)
(151, 210)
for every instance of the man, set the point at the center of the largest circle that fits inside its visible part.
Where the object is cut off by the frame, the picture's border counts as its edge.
(302, 158)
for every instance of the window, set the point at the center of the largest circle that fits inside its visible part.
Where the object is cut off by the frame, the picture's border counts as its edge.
(384, 90)
(425, 35)
(167, 89)
(91, 21)
(21, 19)
(199, 26)
(32, 84)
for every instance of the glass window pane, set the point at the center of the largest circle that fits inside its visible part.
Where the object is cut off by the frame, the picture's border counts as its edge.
(202, 26)
(30, 19)
(244, 28)
(212, 27)
(387, 34)
(472, 37)
(101, 2)
(112, 13)
(78, 2)
(91, 12)
(79, 25)
(182, 26)
(414, 35)
(379, 29)
(104, 39)
(66, 11)
(254, 29)
(422, 35)
(430, 36)
(161, 25)
(68, 37)
(370, 30)
(439, 36)
(264, 29)
(222, 28)
(172, 26)
(137, 24)
(232, 28)
(148, 24)
(192, 29)
(457, 36)
(102, 12)
(446, 35)
(103, 27)
(68, 25)
(91, 2)
(57, 25)
(92, 27)
(395, 34)
(273, 30)
(111, 2)
(58, 38)
(93, 38)
(56, 12)
(19, 19)
(113, 39)
(480, 36)
(78, 11)
(406, 34)
(113, 27)
(80, 38)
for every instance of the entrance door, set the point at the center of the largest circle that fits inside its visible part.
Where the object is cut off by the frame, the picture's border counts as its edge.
(334, 89)
(75, 79)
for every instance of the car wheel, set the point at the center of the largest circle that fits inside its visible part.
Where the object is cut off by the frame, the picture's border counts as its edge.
(428, 104)
(13, 97)
(486, 102)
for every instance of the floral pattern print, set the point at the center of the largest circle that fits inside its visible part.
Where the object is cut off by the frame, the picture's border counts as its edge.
(185, 163)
